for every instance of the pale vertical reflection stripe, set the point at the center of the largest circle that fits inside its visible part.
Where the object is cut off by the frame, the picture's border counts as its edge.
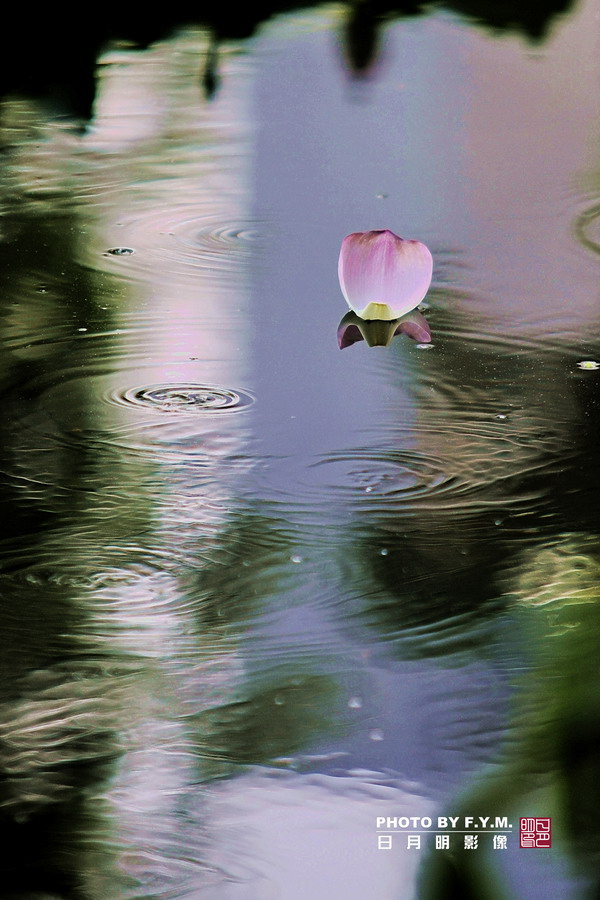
(141, 614)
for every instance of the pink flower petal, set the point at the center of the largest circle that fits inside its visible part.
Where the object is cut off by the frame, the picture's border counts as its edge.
(383, 276)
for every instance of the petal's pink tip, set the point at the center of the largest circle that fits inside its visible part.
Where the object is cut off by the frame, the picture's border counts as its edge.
(378, 267)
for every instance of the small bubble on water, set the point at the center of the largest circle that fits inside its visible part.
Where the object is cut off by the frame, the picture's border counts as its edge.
(498, 521)
(82, 329)
(279, 701)
(381, 196)
(376, 734)
(588, 364)
(423, 306)
(501, 416)
(355, 703)
(120, 251)
(296, 559)
(424, 346)
(384, 551)
(368, 490)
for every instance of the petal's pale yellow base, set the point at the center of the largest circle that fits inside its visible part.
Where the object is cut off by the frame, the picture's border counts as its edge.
(379, 311)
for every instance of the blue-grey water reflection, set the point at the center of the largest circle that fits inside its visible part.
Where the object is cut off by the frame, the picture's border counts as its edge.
(257, 593)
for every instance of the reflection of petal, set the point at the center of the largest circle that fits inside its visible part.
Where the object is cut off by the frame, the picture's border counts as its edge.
(348, 333)
(380, 333)
(416, 326)
(383, 276)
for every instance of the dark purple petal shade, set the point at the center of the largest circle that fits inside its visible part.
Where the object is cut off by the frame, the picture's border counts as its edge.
(415, 326)
(348, 335)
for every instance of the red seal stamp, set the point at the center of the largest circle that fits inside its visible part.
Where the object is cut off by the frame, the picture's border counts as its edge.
(535, 832)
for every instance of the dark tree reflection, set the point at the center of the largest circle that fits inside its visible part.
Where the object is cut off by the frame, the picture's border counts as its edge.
(57, 59)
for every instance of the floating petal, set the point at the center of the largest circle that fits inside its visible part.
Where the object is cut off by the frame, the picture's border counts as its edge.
(383, 276)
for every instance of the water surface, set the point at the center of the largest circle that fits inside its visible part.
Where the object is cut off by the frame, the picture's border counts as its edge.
(256, 592)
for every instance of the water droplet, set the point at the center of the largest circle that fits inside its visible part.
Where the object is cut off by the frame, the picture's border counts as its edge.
(376, 734)
(121, 251)
(355, 703)
(424, 346)
(588, 364)
(296, 559)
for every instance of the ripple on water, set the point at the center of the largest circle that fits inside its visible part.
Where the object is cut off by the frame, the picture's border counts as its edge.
(178, 240)
(373, 476)
(403, 474)
(587, 228)
(479, 325)
(178, 420)
(472, 466)
(363, 475)
(182, 399)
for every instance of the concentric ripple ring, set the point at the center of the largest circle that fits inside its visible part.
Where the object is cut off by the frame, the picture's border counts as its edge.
(183, 398)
